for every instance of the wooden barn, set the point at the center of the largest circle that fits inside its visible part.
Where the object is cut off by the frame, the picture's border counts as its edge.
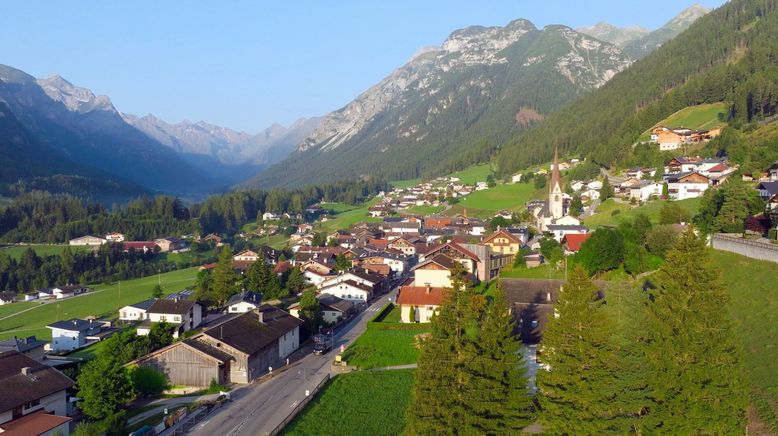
(189, 363)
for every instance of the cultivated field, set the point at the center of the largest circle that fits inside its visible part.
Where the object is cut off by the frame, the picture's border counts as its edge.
(359, 403)
(105, 300)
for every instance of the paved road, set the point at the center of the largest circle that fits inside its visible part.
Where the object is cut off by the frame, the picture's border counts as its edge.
(259, 408)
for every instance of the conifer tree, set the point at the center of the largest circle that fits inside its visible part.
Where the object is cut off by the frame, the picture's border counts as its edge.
(224, 279)
(691, 367)
(576, 393)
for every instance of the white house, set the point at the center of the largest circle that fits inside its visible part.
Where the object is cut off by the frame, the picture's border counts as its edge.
(361, 277)
(72, 334)
(477, 229)
(88, 240)
(246, 256)
(690, 185)
(349, 290)
(590, 194)
(594, 184)
(435, 272)
(481, 186)
(516, 178)
(645, 190)
(419, 303)
(185, 315)
(270, 216)
(559, 231)
(114, 237)
(244, 302)
(61, 292)
(135, 312)
(577, 185)
(314, 277)
(7, 298)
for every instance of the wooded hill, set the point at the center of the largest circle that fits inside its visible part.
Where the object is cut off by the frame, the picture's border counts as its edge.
(728, 55)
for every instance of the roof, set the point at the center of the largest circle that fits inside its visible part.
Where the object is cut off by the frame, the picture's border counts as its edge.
(534, 291)
(21, 344)
(178, 307)
(566, 227)
(246, 296)
(351, 283)
(555, 177)
(503, 233)
(74, 325)
(7, 296)
(139, 245)
(208, 349)
(17, 388)
(420, 296)
(247, 334)
(335, 302)
(770, 187)
(143, 305)
(456, 247)
(574, 241)
(440, 259)
(718, 168)
(38, 422)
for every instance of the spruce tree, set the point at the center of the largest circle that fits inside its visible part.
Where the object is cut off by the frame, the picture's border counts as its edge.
(224, 279)
(576, 393)
(691, 366)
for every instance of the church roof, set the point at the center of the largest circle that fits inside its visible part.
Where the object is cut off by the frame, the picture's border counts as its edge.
(555, 178)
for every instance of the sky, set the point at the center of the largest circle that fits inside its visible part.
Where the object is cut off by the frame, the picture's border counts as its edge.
(248, 64)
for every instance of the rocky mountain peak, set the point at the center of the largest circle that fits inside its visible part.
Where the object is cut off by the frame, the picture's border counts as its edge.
(75, 99)
(619, 36)
(690, 14)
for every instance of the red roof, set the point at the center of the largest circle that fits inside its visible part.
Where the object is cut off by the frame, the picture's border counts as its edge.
(38, 422)
(282, 267)
(420, 296)
(574, 241)
(718, 168)
(139, 245)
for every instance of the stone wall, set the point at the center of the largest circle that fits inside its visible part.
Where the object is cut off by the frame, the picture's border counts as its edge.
(751, 249)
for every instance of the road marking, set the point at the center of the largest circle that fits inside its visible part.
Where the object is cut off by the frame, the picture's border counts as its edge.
(294, 404)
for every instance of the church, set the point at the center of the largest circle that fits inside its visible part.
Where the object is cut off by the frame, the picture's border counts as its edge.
(554, 211)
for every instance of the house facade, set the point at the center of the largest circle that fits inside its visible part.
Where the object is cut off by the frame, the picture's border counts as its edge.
(136, 312)
(683, 186)
(244, 302)
(185, 315)
(88, 240)
(419, 303)
(72, 334)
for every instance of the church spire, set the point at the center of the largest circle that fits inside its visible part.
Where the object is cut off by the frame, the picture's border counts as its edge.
(555, 200)
(555, 171)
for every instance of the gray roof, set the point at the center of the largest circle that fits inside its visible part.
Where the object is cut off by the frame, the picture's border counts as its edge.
(247, 296)
(248, 334)
(178, 307)
(566, 227)
(17, 388)
(74, 325)
(335, 302)
(21, 344)
(144, 305)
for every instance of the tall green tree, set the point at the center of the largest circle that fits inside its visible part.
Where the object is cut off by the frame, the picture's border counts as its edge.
(260, 277)
(224, 279)
(157, 292)
(310, 311)
(603, 251)
(577, 393)
(104, 387)
(296, 281)
(736, 206)
(342, 263)
(606, 191)
(690, 363)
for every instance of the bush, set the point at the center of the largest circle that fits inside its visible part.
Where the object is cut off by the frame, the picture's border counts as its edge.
(148, 382)
(661, 239)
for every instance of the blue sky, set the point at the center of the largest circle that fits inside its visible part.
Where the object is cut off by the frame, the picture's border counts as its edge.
(247, 64)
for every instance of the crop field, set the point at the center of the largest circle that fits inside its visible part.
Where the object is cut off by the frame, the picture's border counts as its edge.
(359, 403)
(754, 306)
(605, 217)
(16, 251)
(386, 343)
(105, 300)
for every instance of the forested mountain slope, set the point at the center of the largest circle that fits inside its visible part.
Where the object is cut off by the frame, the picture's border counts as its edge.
(728, 55)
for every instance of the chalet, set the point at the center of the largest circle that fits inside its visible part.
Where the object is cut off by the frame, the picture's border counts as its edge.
(244, 302)
(572, 242)
(396, 263)
(34, 397)
(560, 231)
(62, 292)
(419, 303)
(72, 334)
(349, 290)
(434, 272)
(270, 216)
(503, 242)
(88, 240)
(640, 173)
(170, 244)
(682, 165)
(403, 245)
(246, 255)
(236, 351)
(645, 190)
(437, 222)
(213, 237)
(7, 298)
(455, 251)
(687, 185)
(360, 276)
(333, 309)
(403, 228)
(137, 311)
(767, 190)
(139, 246)
(184, 315)
(590, 194)
(516, 178)
(114, 237)
(29, 346)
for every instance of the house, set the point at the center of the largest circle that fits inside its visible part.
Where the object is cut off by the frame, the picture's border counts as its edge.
(88, 240)
(773, 172)
(645, 190)
(396, 263)
(403, 227)
(572, 242)
(403, 245)
(236, 351)
(533, 260)
(114, 237)
(31, 296)
(213, 237)
(360, 276)
(349, 290)
(7, 298)
(767, 190)
(72, 334)
(184, 315)
(503, 242)
(137, 311)
(687, 185)
(516, 178)
(590, 194)
(270, 216)
(456, 252)
(170, 244)
(577, 185)
(434, 272)
(29, 346)
(560, 231)
(140, 246)
(34, 397)
(68, 291)
(246, 256)
(244, 302)
(419, 303)
(333, 309)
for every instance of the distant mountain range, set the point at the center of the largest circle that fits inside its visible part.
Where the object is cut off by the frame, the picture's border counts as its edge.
(454, 105)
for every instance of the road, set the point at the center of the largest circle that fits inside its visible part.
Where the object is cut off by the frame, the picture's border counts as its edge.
(258, 408)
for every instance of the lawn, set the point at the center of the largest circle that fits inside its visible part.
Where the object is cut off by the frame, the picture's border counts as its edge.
(103, 301)
(424, 210)
(346, 216)
(544, 271)
(605, 217)
(192, 256)
(702, 117)
(10, 309)
(386, 342)
(485, 203)
(359, 403)
(405, 184)
(754, 306)
(16, 251)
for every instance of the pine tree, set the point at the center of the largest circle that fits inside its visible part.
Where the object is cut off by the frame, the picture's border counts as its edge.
(606, 191)
(224, 279)
(576, 394)
(734, 211)
(691, 367)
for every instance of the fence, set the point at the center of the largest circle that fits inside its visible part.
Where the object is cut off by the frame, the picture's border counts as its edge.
(297, 409)
(744, 247)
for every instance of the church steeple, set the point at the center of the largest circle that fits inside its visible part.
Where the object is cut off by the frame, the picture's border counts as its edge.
(555, 201)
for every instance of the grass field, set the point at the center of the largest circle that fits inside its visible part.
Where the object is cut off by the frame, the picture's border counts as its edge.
(405, 184)
(485, 203)
(424, 210)
(754, 306)
(605, 217)
(386, 343)
(41, 250)
(702, 117)
(359, 403)
(470, 176)
(103, 301)
(346, 216)
(191, 256)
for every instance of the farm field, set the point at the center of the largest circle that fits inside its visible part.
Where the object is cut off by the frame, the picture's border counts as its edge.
(16, 251)
(103, 301)
(754, 306)
(605, 217)
(701, 117)
(359, 403)
(485, 203)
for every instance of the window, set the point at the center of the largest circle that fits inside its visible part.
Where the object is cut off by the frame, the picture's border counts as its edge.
(177, 318)
(32, 404)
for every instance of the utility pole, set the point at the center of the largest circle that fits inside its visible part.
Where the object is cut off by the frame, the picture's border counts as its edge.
(120, 289)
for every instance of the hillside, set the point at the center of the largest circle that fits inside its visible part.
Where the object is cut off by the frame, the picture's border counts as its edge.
(450, 106)
(700, 117)
(723, 56)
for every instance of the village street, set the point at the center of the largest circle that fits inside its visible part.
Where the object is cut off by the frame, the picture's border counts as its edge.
(257, 409)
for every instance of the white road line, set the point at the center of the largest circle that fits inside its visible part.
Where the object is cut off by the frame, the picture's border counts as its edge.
(293, 405)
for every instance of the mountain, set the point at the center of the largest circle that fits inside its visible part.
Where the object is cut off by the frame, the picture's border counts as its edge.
(727, 56)
(640, 47)
(619, 36)
(228, 146)
(451, 105)
(86, 129)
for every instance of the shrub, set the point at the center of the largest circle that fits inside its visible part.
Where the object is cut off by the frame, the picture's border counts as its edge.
(661, 239)
(148, 382)
(615, 212)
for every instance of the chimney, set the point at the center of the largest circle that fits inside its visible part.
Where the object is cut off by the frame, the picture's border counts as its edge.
(261, 317)
(429, 289)
(27, 371)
